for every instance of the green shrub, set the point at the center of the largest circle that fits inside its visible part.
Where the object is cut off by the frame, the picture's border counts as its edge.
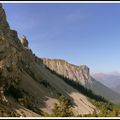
(63, 109)
(14, 92)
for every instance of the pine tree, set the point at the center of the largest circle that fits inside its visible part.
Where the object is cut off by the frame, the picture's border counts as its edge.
(63, 109)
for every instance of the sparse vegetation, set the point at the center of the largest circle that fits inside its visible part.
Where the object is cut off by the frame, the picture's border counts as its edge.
(15, 92)
(87, 92)
(36, 110)
(63, 109)
(45, 83)
(106, 108)
(7, 112)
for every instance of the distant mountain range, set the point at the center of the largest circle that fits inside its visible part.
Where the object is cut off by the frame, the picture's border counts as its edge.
(111, 80)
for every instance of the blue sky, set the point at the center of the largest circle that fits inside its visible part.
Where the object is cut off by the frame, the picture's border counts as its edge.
(79, 33)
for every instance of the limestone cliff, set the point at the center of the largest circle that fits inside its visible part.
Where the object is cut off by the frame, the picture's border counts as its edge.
(81, 74)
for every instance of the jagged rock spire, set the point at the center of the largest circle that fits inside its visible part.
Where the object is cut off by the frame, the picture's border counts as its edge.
(24, 41)
(4, 26)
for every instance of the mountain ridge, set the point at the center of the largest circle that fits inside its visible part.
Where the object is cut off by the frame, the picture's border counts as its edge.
(83, 69)
(81, 74)
(25, 79)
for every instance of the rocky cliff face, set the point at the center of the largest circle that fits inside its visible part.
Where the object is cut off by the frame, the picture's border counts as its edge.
(4, 26)
(8, 48)
(25, 80)
(79, 74)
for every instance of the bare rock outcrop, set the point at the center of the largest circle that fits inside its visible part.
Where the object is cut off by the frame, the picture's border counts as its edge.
(24, 41)
(79, 74)
(4, 26)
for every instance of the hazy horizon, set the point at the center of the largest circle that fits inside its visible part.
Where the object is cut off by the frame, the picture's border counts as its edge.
(79, 33)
